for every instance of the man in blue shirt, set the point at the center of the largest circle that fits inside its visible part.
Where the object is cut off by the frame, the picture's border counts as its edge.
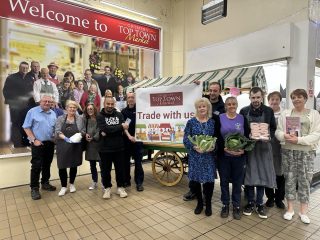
(39, 126)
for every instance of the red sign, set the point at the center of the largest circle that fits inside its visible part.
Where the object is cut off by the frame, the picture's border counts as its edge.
(77, 19)
(166, 99)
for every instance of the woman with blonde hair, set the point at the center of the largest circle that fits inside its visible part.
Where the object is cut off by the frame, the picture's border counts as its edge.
(201, 164)
(298, 132)
(69, 150)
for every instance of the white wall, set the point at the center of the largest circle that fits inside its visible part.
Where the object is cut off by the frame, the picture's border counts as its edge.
(250, 49)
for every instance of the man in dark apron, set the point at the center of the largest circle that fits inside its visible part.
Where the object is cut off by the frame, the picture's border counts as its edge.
(259, 169)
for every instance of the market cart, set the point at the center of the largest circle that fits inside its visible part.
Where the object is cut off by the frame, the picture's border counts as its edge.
(169, 163)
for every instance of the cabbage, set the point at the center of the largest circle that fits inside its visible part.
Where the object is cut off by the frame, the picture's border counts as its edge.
(203, 142)
(236, 142)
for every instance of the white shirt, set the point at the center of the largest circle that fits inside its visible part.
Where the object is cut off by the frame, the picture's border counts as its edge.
(37, 90)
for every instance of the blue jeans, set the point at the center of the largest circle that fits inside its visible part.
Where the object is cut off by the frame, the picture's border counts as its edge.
(231, 169)
(259, 194)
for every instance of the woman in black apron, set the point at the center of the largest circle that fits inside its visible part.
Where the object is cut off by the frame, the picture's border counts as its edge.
(69, 154)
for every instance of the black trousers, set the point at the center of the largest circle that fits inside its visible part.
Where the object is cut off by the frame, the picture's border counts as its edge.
(18, 135)
(207, 191)
(134, 150)
(277, 195)
(40, 163)
(64, 176)
(107, 158)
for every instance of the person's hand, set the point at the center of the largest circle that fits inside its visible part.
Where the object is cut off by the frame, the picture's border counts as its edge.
(125, 126)
(132, 139)
(234, 153)
(66, 139)
(37, 143)
(197, 149)
(291, 138)
(88, 137)
(103, 134)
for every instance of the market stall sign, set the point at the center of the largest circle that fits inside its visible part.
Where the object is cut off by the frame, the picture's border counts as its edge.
(77, 19)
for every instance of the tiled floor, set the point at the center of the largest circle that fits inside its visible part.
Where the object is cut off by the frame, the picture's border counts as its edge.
(157, 213)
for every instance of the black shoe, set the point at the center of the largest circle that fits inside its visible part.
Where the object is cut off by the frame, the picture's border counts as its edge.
(140, 188)
(208, 210)
(269, 203)
(48, 187)
(261, 211)
(248, 209)
(189, 196)
(280, 205)
(236, 213)
(35, 194)
(199, 208)
(224, 211)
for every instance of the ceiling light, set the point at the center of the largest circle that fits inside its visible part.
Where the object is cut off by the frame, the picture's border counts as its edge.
(128, 10)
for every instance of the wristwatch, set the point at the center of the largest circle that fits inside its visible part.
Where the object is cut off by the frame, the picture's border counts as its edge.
(31, 140)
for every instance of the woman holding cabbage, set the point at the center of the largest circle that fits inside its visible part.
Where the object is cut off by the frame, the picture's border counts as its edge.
(199, 143)
(232, 143)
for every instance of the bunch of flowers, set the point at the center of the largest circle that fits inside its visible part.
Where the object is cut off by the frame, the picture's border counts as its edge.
(119, 74)
(95, 61)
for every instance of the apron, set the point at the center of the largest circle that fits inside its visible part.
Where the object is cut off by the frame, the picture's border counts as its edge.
(69, 154)
(46, 88)
(259, 168)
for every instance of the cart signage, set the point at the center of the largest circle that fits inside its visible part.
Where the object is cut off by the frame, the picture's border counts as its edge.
(77, 19)
(162, 112)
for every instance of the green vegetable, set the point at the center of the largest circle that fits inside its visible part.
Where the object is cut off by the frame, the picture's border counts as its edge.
(203, 142)
(236, 141)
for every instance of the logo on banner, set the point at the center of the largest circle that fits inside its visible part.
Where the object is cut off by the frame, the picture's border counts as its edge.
(166, 99)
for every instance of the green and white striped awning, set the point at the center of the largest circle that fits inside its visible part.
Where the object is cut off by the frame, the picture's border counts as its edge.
(239, 77)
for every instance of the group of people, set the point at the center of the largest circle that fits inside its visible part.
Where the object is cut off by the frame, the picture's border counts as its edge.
(22, 91)
(280, 166)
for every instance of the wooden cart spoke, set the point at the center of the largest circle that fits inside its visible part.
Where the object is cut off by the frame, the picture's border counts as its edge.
(170, 166)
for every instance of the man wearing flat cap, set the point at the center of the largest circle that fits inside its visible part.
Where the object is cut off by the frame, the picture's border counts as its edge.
(53, 77)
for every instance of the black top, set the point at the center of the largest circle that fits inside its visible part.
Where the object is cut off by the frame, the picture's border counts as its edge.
(18, 91)
(105, 84)
(111, 125)
(130, 113)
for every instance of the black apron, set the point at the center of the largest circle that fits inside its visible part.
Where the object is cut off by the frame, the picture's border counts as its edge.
(69, 154)
(259, 167)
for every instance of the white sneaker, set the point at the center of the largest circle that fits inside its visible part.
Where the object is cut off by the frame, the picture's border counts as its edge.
(107, 193)
(304, 218)
(122, 192)
(94, 185)
(72, 188)
(288, 215)
(62, 191)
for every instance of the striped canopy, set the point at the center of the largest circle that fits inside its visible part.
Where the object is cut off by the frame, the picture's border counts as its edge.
(239, 77)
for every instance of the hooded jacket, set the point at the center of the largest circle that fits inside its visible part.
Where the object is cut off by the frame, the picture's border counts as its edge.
(111, 125)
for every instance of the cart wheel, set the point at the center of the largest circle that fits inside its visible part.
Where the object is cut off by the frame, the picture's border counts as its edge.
(167, 168)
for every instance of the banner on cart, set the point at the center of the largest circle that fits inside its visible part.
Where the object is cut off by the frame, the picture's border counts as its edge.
(77, 19)
(162, 112)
